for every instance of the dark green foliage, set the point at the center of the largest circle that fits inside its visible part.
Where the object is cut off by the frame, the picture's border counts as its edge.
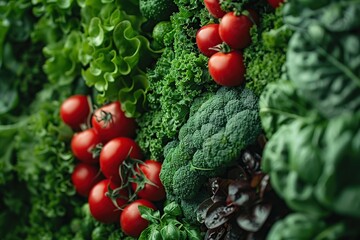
(211, 140)
(157, 10)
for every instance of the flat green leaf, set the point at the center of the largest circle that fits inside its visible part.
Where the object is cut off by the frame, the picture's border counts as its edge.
(173, 209)
(325, 69)
(149, 214)
(170, 232)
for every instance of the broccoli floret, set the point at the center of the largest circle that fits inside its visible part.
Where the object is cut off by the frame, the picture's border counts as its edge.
(183, 188)
(211, 140)
(157, 10)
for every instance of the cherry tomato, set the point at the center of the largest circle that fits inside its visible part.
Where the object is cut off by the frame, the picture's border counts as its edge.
(131, 221)
(101, 206)
(214, 8)
(227, 69)
(235, 30)
(113, 155)
(151, 170)
(275, 3)
(208, 37)
(110, 122)
(83, 145)
(75, 111)
(84, 177)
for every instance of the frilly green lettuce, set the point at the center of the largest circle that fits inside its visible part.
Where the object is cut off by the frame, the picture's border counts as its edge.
(62, 64)
(114, 54)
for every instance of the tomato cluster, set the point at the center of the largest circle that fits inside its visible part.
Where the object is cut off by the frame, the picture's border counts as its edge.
(111, 172)
(223, 42)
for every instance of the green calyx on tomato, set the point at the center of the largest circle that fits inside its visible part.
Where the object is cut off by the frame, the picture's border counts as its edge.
(110, 122)
(121, 161)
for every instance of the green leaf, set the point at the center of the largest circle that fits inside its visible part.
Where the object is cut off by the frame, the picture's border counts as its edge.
(170, 232)
(173, 209)
(325, 69)
(149, 214)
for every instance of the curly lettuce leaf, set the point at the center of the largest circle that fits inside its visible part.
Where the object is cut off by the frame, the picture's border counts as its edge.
(62, 64)
(114, 54)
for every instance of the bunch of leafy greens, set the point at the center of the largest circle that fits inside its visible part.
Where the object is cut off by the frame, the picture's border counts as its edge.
(313, 119)
(103, 43)
(38, 199)
(169, 225)
(265, 57)
(179, 76)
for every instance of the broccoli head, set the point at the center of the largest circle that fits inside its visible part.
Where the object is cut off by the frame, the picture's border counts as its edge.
(157, 10)
(210, 141)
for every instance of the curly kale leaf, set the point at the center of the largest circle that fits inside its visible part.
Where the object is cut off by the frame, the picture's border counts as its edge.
(265, 57)
(179, 76)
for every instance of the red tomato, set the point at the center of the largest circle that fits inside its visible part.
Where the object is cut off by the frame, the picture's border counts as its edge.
(75, 111)
(83, 144)
(113, 155)
(131, 221)
(110, 122)
(214, 8)
(275, 3)
(235, 30)
(208, 37)
(227, 69)
(151, 170)
(84, 177)
(101, 206)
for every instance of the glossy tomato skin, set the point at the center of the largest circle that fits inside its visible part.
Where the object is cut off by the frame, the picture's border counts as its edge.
(208, 37)
(113, 155)
(101, 206)
(82, 144)
(275, 3)
(213, 6)
(75, 111)
(131, 221)
(227, 69)
(84, 177)
(235, 30)
(116, 125)
(151, 169)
